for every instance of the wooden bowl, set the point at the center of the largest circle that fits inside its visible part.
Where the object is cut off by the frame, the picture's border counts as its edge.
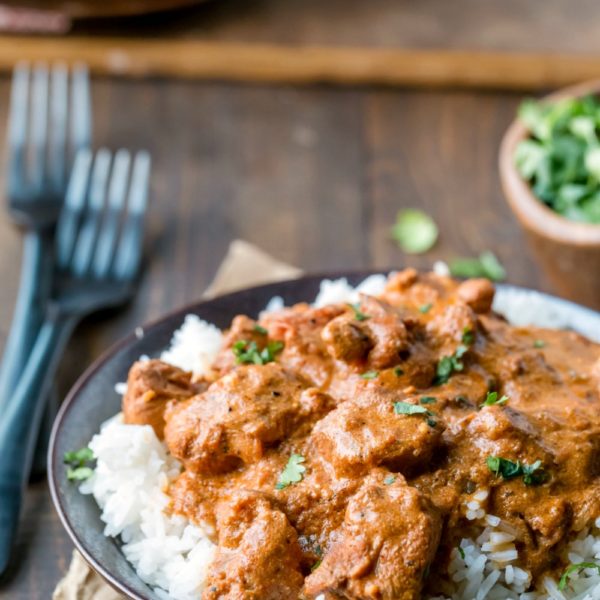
(567, 251)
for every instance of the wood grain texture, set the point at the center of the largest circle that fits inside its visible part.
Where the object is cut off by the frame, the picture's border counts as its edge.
(465, 43)
(272, 63)
(311, 175)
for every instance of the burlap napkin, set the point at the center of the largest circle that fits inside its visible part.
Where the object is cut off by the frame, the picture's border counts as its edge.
(245, 265)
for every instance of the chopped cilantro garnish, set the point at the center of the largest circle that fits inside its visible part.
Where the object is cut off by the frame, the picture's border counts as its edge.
(316, 565)
(398, 372)
(389, 479)
(358, 315)
(79, 473)
(461, 552)
(369, 374)
(448, 365)
(539, 343)
(260, 329)
(575, 568)
(248, 353)
(293, 472)
(508, 469)
(492, 398)
(428, 400)
(78, 457)
(76, 460)
(468, 337)
(425, 308)
(414, 231)
(560, 158)
(486, 265)
(405, 408)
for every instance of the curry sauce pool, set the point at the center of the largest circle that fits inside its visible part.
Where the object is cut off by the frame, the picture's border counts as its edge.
(365, 448)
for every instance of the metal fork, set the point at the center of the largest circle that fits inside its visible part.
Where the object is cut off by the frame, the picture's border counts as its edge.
(98, 253)
(49, 121)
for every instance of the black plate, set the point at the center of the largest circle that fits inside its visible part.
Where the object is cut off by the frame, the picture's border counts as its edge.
(93, 400)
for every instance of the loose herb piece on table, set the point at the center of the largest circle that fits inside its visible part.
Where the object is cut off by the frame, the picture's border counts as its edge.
(492, 399)
(486, 265)
(369, 374)
(293, 472)
(248, 353)
(414, 231)
(78, 469)
(575, 568)
(358, 315)
(561, 158)
(448, 365)
(508, 469)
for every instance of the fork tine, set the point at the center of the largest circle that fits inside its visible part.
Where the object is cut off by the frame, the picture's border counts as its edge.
(88, 234)
(17, 128)
(109, 233)
(129, 251)
(39, 125)
(75, 202)
(58, 127)
(81, 110)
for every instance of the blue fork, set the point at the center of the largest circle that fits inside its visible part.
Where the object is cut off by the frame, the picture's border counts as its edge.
(49, 121)
(98, 253)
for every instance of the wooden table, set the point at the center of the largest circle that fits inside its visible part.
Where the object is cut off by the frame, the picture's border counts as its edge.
(313, 175)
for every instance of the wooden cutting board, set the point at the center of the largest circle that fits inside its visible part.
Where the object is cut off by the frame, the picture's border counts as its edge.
(513, 44)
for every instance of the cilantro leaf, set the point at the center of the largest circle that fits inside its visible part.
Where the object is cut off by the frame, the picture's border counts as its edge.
(425, 308)
(492, 399)
(369, 374)
(468, 337)
(414, 231)
(293, 472)
(389, 479)
(575, 568)
(248, 353)
(78, 457)
(486, 265)
(539, 343)
(260, 329)
(79, 473)
(398, 372)
(428, 400)
(508, 469)
(77, 469)
(405, 408)
(448, 365)
(358, 315)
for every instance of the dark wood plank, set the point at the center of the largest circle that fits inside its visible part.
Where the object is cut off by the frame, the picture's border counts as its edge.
(535, 25)
(312, 175)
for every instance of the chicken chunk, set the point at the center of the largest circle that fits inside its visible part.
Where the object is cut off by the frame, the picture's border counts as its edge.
(151, 385)
(354, 438)
(258, 556)
(239, 416)
(384, 547)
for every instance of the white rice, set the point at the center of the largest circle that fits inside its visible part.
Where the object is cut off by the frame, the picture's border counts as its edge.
(172, 555)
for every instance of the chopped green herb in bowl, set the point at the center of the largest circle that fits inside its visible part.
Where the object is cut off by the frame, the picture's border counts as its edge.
(561, 158)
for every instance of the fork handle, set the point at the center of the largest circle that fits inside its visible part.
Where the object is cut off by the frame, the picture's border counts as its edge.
(28, 312)
(20, 423)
